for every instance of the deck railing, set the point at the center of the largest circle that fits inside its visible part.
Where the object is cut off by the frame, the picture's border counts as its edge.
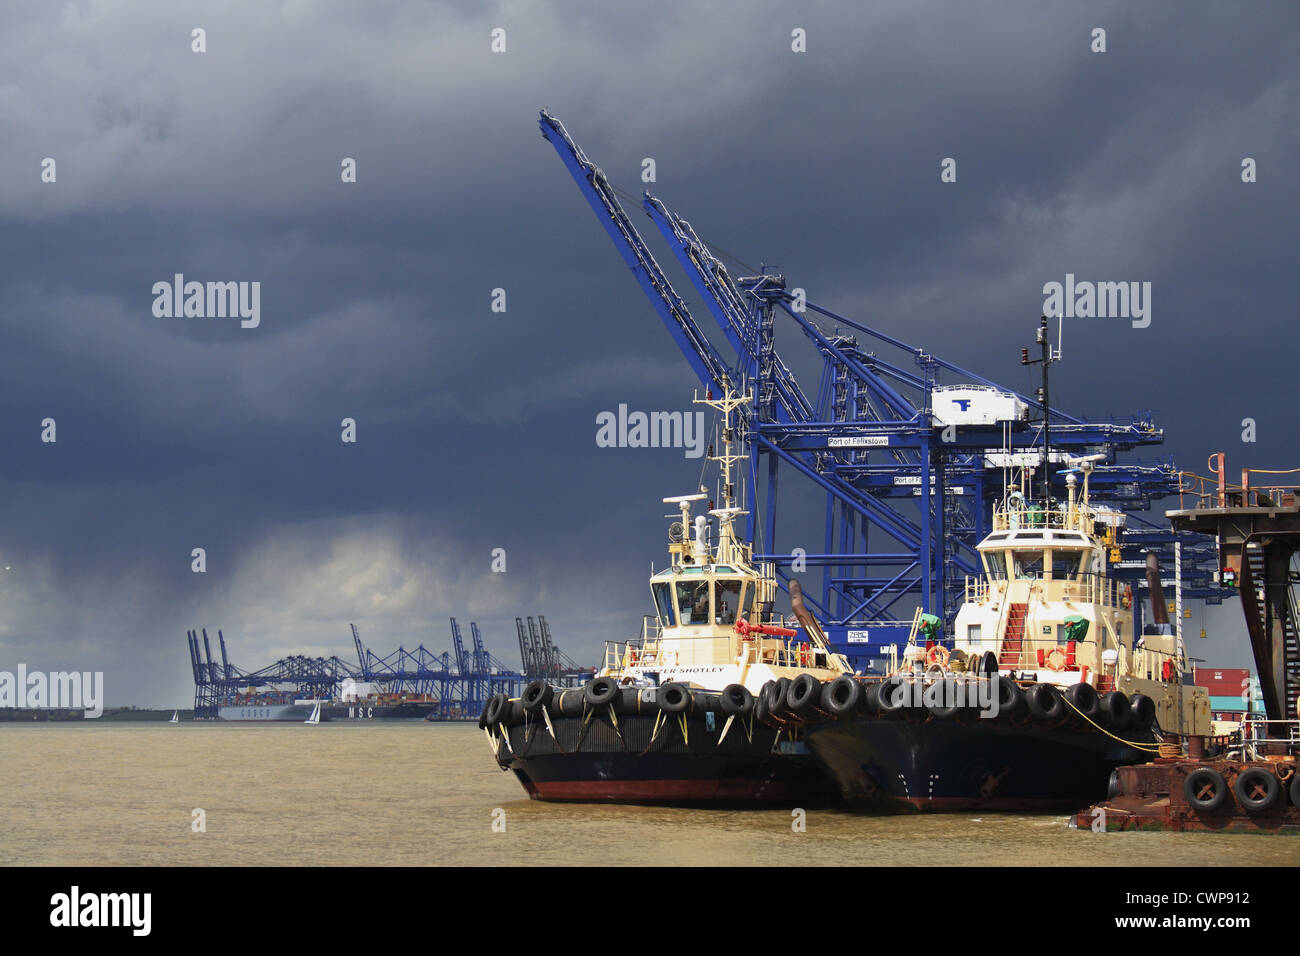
(1091, 589)
(1198, 491)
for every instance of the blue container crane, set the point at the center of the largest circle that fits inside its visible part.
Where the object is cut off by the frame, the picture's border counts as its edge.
(888, 462)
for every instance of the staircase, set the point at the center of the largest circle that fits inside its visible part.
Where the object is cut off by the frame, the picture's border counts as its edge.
(1265, 608)
(1291, 638)
(1013, 636)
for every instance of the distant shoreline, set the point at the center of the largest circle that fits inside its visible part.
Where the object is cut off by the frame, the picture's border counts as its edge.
(29, 715)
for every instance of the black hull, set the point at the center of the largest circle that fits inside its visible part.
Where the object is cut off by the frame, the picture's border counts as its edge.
(899, 765)
(598, 762)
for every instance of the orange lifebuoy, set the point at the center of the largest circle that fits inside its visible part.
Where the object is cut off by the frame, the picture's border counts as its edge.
(937, 655)
(1060, 665)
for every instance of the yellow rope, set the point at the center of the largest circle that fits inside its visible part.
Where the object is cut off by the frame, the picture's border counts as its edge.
(1149, 748)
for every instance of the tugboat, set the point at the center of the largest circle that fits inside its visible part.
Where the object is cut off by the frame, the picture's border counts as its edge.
(684, 713)
(1039, 698)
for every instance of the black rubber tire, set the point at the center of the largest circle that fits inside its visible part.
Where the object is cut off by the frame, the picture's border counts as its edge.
(870, 699)
(482, 715)
(1143, 715)
(600, 691)
(761, 711)
(803, 694)
(497, 709)
(1045, 704)
(985, 664)
(842, 697)
(516, 714)
(1085, 700)
(536, 696)
(1112, 785)
(890, 698)
(782, 709)
(1294, 790)
(945, 709)
(629, 700)
(737, 701)
(774, 696)
(1247, 781)
(1195, 782)
(1116, 711)
(1011, 699)
(674, 698)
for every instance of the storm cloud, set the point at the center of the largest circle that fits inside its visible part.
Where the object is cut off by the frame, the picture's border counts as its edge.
(476, 428)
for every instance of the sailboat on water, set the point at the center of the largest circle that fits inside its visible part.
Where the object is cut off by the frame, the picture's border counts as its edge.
(176, 717)
(315, 715)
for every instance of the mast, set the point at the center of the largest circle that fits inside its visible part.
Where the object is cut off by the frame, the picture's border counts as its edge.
(1046, 358)
(729, 550)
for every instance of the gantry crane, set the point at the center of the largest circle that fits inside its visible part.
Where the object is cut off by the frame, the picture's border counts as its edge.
(908, 454)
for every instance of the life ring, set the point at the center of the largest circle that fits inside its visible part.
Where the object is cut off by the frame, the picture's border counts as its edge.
(937, 655)
(1126, 599)
(1062, 661)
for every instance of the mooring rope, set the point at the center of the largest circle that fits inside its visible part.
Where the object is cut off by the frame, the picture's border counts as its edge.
(1148, 748)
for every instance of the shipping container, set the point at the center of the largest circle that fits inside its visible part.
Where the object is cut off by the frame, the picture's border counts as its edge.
(1233, 704)
(1223, 681)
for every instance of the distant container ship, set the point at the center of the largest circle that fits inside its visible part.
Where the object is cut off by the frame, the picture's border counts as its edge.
(382, 707)
(267, 706)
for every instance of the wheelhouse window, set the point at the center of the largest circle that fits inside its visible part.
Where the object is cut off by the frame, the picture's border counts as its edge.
(663, 593)
(728, 597)
(1065, 565)
(996, 562)
(1028, 564)
(693, 602)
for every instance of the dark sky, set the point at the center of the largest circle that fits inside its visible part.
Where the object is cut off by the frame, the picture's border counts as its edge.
(476, 429)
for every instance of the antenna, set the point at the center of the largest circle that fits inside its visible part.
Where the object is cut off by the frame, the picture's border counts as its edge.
(1048, 356)
(728, 511)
